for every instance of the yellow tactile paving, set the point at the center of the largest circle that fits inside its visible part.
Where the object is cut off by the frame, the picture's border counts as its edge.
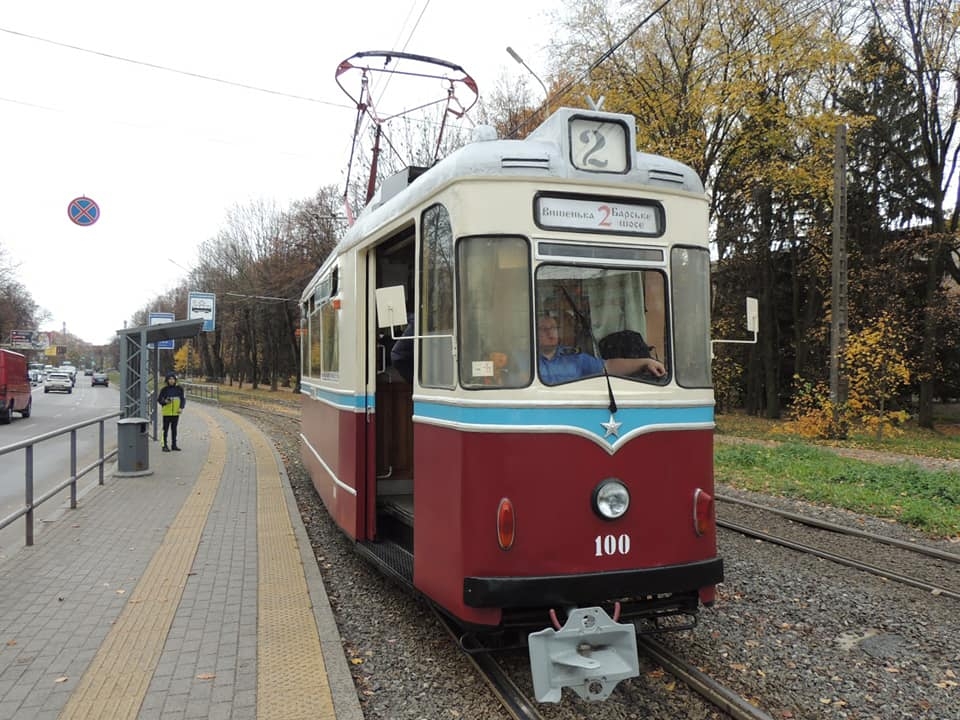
(291, 675)
(117, 679)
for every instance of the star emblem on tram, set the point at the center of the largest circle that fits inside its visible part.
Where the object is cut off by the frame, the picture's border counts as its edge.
(612, 427)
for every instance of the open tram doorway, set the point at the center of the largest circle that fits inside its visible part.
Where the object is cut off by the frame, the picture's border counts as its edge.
(390, 513)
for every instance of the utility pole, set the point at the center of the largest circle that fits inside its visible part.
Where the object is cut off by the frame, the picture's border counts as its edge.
(838, 330)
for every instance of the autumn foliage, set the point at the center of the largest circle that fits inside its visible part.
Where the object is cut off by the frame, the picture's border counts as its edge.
(876, 370)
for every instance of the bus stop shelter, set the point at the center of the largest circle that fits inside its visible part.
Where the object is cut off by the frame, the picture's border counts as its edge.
(136, 406)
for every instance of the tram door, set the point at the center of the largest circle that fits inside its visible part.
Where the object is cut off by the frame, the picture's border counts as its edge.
(390, 515)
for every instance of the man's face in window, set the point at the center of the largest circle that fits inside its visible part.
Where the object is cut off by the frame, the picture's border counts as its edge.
(548, 336)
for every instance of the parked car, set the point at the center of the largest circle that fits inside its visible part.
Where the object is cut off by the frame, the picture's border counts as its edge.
(15, 392)
(58, 381)
(100, 378)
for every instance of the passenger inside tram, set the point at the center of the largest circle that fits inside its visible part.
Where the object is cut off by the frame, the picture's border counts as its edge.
(560, 363)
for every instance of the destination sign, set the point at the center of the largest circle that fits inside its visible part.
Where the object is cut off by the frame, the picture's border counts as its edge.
(599, 215)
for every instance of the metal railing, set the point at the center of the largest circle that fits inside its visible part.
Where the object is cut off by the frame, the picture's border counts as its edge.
(196, 391)
(30, 502)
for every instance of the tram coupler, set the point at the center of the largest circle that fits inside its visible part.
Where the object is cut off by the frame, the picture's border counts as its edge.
(590, 654)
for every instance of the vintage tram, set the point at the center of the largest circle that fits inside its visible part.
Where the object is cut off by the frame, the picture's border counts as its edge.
(548, 465)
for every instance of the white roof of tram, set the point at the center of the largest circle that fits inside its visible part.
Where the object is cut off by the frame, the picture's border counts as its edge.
(542, 154)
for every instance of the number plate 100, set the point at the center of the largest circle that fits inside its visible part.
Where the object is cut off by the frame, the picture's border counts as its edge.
(611, 545)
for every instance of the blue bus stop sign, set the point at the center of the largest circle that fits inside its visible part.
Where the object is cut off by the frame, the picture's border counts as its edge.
(158, 318)
(83, 211)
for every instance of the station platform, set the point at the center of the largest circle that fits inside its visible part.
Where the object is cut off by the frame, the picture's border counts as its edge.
(191, 592)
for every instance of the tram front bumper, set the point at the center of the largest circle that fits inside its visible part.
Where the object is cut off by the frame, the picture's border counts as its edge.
(572, 590)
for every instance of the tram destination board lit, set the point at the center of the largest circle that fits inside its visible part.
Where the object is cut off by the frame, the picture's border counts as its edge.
(598, 215)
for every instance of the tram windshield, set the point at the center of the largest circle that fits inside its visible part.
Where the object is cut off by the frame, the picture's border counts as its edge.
(586, 315)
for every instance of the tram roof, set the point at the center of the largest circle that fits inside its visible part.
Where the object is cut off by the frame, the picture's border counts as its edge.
(542, 154)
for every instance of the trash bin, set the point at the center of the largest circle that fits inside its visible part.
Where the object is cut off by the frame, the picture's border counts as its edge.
(133, 456)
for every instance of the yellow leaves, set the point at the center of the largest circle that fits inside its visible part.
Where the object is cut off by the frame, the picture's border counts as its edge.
(950, 682)
(658, 674)
(833, 703)
(875, 367)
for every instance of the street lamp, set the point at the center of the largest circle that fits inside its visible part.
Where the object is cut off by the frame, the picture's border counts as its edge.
(546, 101)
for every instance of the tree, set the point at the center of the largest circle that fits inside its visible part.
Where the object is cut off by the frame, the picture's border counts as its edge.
(926, 37)
(18, 311)
(257, 266)
(740, 92)
(877, 370)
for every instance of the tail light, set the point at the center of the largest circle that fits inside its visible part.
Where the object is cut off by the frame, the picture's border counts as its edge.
(703, 511)
(506, 524)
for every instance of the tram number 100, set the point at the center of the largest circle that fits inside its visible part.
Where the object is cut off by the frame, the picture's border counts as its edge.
(611, 545)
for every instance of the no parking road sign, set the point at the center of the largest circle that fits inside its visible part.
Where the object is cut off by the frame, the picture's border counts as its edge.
(83, 211)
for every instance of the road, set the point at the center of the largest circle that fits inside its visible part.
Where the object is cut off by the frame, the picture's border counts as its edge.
(52, 411)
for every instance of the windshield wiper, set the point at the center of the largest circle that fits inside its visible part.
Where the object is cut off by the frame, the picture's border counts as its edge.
(583, 321)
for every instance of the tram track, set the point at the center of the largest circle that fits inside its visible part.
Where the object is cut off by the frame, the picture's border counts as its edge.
(717, 694)
(521, 707)
(274, 410)
(933, 562)
(516, 703)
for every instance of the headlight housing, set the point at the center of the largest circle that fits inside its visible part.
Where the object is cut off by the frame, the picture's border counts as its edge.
(611, 499)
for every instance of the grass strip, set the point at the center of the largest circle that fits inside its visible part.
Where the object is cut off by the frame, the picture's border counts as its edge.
(925, 499)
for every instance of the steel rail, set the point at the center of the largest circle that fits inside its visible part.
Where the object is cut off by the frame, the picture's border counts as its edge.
(513, 700)
(736, 706)
(841, 560)
(813, 522)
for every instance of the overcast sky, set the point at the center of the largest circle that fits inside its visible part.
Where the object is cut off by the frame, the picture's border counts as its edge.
(166, 155)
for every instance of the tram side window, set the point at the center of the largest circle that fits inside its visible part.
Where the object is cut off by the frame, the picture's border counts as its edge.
(494, 320)
(315, 344)
(305, 340)
(690, 272)
(323, 328)
(331, 339)
(436, 299)
(599, 313)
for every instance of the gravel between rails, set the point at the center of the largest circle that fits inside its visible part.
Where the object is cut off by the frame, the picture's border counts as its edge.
(806, 638)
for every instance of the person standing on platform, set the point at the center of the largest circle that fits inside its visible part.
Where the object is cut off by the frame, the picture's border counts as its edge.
(172, 401)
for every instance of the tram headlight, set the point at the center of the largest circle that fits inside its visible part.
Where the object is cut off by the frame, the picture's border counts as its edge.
(611, 499)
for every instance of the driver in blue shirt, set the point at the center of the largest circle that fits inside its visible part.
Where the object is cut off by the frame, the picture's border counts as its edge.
(559, 364)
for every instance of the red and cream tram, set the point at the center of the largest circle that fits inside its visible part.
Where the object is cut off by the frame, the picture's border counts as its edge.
(550, 460)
